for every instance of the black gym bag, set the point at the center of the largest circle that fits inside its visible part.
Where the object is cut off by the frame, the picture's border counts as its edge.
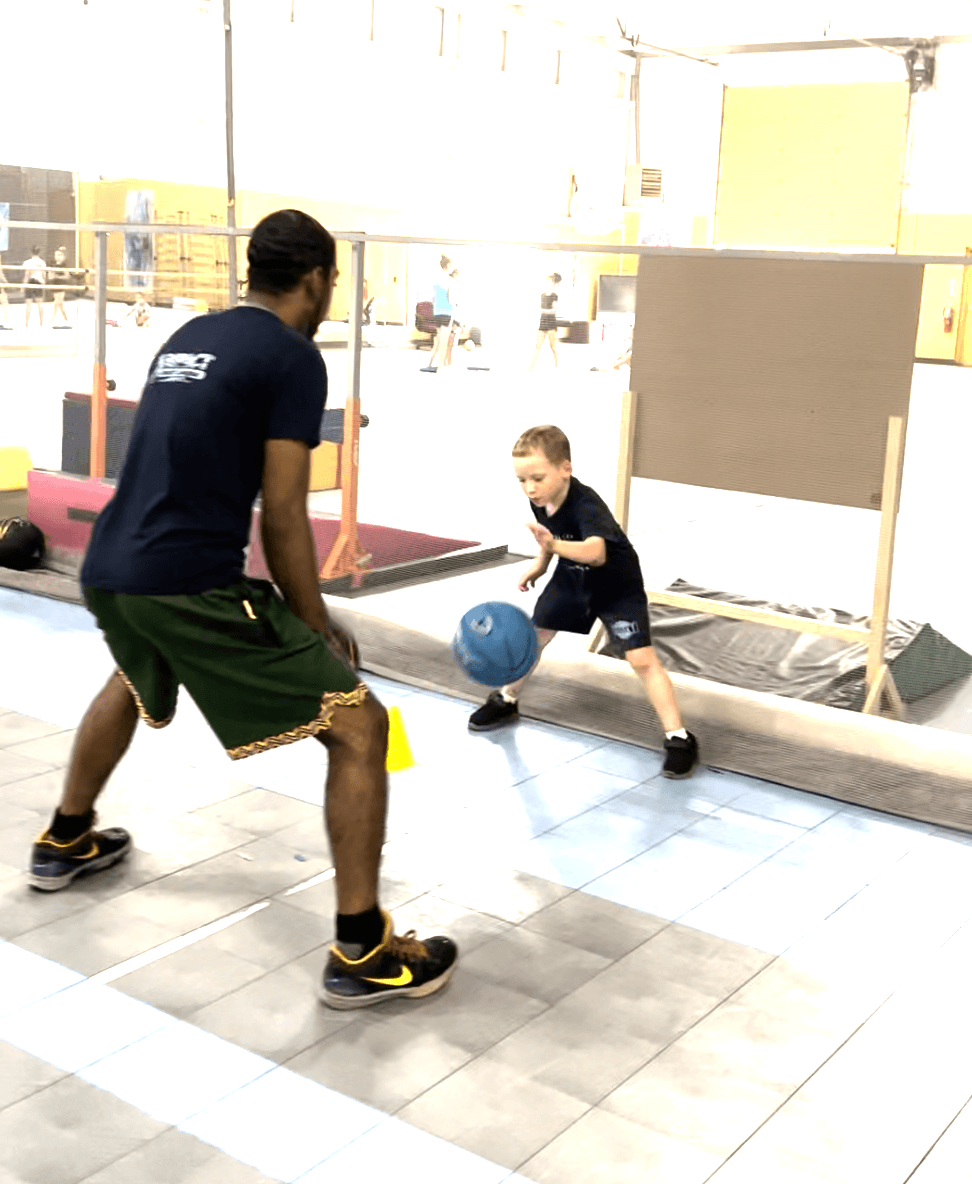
(21, 544)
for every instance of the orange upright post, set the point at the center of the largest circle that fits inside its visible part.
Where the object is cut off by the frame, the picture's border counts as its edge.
(346, 557)
(99, 380)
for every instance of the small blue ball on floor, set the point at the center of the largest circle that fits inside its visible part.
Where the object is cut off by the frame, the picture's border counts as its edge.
(495, 643)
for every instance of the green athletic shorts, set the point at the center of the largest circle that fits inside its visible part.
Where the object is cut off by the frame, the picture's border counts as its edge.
(260, 676)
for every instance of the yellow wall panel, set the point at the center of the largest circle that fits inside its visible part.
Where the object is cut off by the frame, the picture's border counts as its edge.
(939, 234)
(812, 167)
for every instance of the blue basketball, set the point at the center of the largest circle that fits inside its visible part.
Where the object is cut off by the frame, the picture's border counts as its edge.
(495, 643)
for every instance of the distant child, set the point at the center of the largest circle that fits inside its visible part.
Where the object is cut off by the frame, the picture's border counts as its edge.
(597, 576)
(141, 310)
(59, 277)
(34, 271)
(547, 329)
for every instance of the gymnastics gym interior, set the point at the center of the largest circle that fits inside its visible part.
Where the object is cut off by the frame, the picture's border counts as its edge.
(761, 218)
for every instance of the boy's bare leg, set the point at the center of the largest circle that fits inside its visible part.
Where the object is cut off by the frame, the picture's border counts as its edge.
(356, 796)
(102, 739)
(661, 693)
(544, 638)
(552, 338)
(536, 352)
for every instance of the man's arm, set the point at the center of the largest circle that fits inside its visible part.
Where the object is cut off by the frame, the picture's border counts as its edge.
(285, 530)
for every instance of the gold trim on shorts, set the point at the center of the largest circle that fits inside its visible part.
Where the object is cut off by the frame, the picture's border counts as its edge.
(320, 723)
(140, 706)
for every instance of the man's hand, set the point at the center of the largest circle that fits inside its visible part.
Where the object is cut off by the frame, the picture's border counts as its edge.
(287, 541)
(544, 538)
(342, 641)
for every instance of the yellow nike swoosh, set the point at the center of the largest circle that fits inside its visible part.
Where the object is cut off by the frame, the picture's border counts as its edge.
(401, 981)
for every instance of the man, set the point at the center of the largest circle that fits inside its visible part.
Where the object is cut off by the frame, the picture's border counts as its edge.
(232, 404)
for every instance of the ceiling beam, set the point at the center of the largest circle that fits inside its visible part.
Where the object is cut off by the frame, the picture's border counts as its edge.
(719, 51)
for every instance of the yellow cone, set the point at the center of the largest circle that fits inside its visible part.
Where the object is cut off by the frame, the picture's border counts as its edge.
(399, 750)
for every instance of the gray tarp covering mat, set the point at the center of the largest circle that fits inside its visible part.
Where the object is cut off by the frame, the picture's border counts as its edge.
(798, 665)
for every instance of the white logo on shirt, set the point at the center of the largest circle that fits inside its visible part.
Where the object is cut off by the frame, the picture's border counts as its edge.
(624, 629)
(181, 367)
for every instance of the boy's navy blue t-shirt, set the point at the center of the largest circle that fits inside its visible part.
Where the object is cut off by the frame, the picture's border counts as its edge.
(219, 388)
(585, 515)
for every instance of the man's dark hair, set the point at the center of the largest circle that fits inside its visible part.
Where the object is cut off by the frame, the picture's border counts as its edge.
(285, 246)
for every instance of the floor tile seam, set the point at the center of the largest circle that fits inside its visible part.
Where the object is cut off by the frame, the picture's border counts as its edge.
(783, 821)
(381, 1115)
(35, 773)
(637, 855)
(10, 746)
(695, 1023)
(64, 1074)
(931, 1149)
(880, 873)
(802, 1085)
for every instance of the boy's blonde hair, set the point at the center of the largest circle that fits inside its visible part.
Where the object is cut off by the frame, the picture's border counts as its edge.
(545, 439)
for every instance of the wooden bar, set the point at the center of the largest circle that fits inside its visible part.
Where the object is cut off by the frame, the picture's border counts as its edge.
(346, 557)
(99, 381)
(890, 495)
(622, 488)
(721, 608)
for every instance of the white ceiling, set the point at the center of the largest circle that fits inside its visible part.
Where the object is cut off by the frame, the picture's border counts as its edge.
(746, 22)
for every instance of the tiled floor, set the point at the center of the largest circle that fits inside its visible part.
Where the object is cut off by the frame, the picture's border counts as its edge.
(716, 980)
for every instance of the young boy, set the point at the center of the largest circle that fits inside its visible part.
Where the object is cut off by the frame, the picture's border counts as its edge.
(597, 576)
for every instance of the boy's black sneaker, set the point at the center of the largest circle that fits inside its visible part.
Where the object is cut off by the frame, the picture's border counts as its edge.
(494, 713)
(681, 756)
(54, 865)
(401, 967)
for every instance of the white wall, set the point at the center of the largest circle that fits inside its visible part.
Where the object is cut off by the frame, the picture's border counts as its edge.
(321, 110)
(681, 120)
(939, 177)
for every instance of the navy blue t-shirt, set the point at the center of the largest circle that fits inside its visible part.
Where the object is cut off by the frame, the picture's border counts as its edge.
(219, 388)
(584, 515)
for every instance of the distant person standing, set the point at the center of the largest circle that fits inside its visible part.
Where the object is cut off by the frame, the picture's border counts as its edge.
(455, 328)
(60, 277)
(547, 329)
(442, 312)
(34, 270)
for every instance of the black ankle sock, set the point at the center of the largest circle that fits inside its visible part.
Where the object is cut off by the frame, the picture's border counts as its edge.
(65, 828)
(361, 929)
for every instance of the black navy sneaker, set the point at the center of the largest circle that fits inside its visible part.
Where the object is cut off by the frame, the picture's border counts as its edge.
(681, 756)
(400, 968)
(494, 713)
(54, 865)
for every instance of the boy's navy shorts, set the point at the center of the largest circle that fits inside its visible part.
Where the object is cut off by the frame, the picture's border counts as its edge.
(564, 608)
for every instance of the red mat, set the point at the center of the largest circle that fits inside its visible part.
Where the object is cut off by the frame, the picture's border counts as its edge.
(385, 544)
(65, 507)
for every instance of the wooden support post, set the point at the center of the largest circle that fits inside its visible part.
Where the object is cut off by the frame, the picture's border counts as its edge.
(99, 380)
(879, 677)
(622, 486)
(346, 558)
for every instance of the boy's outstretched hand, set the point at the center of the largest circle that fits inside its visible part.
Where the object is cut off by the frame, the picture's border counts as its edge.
(543, 536)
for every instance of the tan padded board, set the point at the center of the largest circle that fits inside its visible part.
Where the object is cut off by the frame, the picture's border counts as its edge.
(772, 376)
